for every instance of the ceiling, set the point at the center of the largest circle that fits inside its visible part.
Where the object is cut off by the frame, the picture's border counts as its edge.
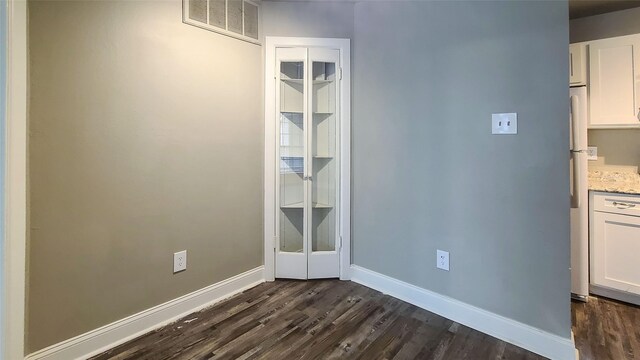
(577, 8)
(582, 8)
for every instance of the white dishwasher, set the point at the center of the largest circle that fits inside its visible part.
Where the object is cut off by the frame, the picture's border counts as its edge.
(614, 246)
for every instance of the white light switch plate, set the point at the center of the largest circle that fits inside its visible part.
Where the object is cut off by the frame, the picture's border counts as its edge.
(504, 124)
(180, 261)
(442, 261)
(592, 153)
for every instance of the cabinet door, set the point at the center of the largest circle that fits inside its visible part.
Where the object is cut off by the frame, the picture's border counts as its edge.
(324, 159)
(291, 197)
(614, 252)
(577, 64)
(614, 82)
(309, 156)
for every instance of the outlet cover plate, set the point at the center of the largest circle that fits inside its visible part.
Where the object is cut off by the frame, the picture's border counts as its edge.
(180, 261)
(592, 153)
(504, 124)
(442, 261)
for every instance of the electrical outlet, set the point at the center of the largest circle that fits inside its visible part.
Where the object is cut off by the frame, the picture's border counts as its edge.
(180, 261)
(442, 261)
(592, 153)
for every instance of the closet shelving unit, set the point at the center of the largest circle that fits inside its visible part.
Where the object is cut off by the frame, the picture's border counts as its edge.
(308, 164)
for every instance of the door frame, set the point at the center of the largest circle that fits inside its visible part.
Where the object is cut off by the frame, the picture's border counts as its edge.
(15, 185)
(270, 136)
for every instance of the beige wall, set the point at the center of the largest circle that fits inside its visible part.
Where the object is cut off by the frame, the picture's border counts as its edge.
(616, 147)
(145, 139)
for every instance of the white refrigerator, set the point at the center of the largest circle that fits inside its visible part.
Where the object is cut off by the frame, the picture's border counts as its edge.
(579, 194)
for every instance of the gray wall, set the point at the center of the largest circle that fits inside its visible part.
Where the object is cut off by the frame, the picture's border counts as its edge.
(331, 19)
(146, 139)
(615, 147)
(604, 26)
(428, 174)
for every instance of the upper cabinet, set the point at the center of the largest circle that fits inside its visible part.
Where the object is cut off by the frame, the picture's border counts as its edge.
(614, 83)
(577, 64)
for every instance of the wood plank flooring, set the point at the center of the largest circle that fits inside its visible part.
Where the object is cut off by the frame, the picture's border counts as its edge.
(606, 329)
(320, 319)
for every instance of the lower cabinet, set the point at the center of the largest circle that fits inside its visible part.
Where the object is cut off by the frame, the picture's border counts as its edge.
(615, 246)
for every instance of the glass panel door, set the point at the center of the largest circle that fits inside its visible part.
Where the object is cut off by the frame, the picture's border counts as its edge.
(291, 102)
(307, 183)
(323, 164)
(291, 156)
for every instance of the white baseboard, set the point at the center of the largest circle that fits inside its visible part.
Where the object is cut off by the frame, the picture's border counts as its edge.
(522, 335)
(116, 333)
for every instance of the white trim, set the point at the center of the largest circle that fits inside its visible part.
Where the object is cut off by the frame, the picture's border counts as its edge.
(15, 225)
(116, 333)
(511, 331)
(573, 341)
(270, 163)
(345, 160)
(269, 159)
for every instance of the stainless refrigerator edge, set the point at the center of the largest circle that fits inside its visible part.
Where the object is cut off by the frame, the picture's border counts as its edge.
(579, 194)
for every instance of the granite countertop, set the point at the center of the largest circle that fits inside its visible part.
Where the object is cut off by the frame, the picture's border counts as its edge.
(624, 182)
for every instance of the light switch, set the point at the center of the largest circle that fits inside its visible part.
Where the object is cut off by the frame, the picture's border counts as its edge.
(504, 124)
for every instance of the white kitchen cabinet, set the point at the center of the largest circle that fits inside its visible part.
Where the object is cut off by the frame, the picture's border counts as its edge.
(615, 246)
(614, 82)
(578, 64)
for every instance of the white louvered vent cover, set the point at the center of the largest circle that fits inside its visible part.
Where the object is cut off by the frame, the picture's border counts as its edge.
(235, 18)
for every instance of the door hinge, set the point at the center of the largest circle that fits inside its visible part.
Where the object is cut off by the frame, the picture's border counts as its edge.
(275, 242)
(340, 242)
(340, 73)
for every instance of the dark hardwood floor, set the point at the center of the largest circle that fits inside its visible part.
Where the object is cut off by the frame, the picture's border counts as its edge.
(606, 329)
(321, 319)
(331, 319)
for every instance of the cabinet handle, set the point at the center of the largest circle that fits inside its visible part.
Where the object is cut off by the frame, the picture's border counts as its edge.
(638, 114)
(571, 64)
(624, 205)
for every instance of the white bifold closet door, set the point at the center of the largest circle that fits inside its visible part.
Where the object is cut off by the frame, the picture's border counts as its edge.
(307, 186)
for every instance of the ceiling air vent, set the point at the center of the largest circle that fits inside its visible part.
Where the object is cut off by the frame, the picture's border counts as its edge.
(235, 18)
